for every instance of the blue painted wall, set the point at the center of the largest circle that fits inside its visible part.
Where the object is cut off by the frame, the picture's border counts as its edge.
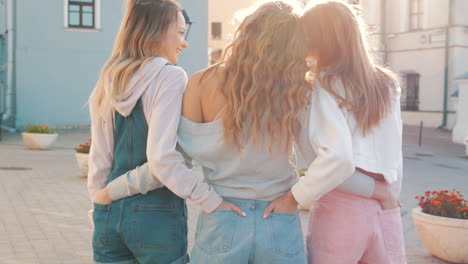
(56, 68)
(195, 57)
(3, 54)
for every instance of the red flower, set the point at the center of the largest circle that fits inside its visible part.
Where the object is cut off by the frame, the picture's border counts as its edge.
(436, 202)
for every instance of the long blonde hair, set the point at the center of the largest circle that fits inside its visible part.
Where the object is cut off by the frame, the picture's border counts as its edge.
(337, 40)
(263, 77)
(140, 37)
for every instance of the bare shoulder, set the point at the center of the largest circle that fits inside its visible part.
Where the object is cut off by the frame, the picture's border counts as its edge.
(191, 106)
(193, 89)
(197, 77)
(202, 79)
(202, 98)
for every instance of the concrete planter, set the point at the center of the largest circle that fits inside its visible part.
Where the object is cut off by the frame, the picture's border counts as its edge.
(445, 238)
(82, 160)
(38, 141)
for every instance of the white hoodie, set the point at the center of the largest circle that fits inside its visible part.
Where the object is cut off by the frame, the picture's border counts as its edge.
(161, 89)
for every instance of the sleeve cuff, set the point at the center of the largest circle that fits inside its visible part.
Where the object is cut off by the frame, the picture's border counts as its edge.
(117, 189)
(211, 202)
(302, 195)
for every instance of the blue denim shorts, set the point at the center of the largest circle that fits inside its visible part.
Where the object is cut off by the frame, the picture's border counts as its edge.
(149, 228)
(225, 237)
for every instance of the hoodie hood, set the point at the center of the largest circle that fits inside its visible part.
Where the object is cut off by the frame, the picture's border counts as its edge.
(138, 84)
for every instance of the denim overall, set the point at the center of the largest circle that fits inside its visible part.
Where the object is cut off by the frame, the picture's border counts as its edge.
(150, 228)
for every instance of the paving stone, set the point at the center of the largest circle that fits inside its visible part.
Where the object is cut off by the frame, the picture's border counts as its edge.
(43, 211)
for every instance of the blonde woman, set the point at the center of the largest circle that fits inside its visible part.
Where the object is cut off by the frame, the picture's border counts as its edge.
(355, 128)
(135, 110)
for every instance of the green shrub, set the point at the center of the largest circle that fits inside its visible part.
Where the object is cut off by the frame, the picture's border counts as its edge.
(39, 129)
(302, 171)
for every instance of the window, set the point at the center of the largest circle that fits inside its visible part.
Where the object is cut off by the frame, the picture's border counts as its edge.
(416, 14)
(216, 30)
(81, 14)
(410, 100)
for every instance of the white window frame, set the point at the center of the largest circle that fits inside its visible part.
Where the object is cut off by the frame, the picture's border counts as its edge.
(97, 17)
(418, 14)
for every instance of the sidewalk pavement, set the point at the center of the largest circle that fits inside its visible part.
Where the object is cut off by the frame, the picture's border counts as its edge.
(44, 201)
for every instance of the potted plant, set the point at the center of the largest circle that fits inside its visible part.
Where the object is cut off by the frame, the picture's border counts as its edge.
(82, 156)
(38, 137)
(441, 222)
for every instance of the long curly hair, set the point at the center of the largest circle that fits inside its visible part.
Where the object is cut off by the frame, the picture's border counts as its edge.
(338, 42)
(263, 77)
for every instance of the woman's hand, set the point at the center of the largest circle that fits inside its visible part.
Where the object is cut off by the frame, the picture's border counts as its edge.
(227, 206)
(286, 204)
(383, 193)
(103, 197)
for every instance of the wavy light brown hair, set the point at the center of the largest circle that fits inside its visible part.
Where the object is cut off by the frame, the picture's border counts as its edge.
(263, 77)
(338, 43)
(144, 24)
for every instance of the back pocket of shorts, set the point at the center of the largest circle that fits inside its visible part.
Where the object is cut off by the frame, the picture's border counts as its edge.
(392, 231)
(285, 234)
(154, 227)
(100, 218)
(215, 231)
(335, 231)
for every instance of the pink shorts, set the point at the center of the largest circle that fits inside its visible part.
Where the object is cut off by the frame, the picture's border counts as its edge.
(348, 229)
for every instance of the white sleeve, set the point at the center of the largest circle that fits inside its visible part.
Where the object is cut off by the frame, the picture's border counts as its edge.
(164, 161)
(358, 184)
(100, 156)
(330, 138)
(138, 181)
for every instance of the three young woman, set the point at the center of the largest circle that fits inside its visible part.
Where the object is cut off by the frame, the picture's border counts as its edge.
(239, 120)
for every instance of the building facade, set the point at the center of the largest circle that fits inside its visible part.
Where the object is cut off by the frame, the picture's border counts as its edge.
(52, 53)
(223, 18)
(460, 130)
(426, 43)
(222, 23)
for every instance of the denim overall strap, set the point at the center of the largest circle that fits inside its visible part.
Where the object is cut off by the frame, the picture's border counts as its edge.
(130, 137)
